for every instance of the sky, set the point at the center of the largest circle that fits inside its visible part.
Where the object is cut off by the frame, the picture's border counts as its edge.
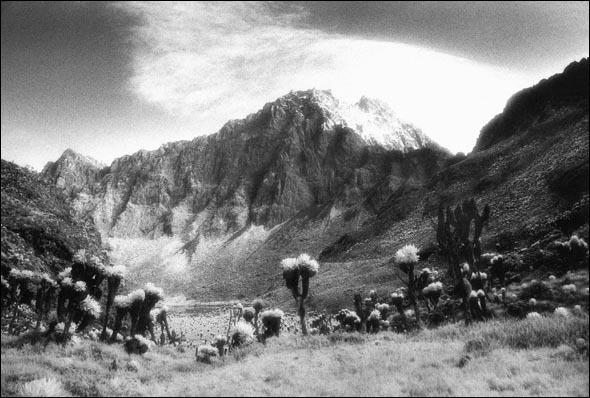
(110, 78)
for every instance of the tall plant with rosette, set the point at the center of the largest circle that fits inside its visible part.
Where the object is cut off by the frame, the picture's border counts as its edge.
(153, 294)
(297, 272)
(406, 258)
(115, 276)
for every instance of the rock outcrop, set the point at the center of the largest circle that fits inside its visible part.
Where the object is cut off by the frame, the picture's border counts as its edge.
(74, 173)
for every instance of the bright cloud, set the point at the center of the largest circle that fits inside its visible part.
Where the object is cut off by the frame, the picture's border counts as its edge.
(210, 62)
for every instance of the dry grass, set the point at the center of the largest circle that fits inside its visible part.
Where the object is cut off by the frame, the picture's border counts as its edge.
(423, 364)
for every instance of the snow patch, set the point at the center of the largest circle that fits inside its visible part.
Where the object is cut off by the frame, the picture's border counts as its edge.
(372, 119)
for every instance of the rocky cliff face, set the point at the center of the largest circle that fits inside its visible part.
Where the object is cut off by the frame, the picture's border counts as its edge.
(305, 157)
(74, 173)
(304, 149)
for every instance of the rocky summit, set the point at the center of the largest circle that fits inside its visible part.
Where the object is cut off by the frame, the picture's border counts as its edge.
(211, 218)
(306, 148)
(305, 153)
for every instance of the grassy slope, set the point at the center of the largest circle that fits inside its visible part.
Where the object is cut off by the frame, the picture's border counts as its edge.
(349, 364)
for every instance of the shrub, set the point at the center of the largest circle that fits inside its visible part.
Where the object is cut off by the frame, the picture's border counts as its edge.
(91, 306)
(271, 322)
(348, 318)
(537, 290)
(248, 314)
(219, 342)
(206, 353)
(122, 301)
(478, 346)
(433, 292)
(258, 305)
(373, 321)
(562, 312)
(545, 332)
(533, 315)
(137, 345)
(354, 338)
(565, 352)
(241, 334)
(45, 387)
(150, 289)
(569, 289)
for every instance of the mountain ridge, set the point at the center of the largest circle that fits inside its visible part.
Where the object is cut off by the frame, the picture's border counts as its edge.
(568, 88)
(212, 217)
(305, 127)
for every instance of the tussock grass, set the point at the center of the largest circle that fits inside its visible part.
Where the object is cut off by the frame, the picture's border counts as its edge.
(548, 331)
(420, 364)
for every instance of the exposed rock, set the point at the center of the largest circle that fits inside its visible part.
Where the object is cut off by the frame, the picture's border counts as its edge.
(74, 173)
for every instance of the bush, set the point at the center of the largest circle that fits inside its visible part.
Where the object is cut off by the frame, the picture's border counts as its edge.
(241, 334)
(205, 353)
(137, 345)
(45, 387)
(545, 332)
(478, 347)
(537, 290)
(349, 338)
(271, 321)
(565, 352)
(240, 353)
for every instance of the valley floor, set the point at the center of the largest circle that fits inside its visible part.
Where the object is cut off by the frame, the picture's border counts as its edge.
(540, 357)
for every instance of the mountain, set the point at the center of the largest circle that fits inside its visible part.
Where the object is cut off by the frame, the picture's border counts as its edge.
(372, 119)
(533, 107)
(211, 218)
(75, 173)
(40, 231)
(296, 152)
(304, 154)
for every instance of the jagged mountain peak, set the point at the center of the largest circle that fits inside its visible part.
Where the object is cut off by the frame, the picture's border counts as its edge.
(374, 105)
(305, 148)
(371, 118)
(78, 157)
(73, 172)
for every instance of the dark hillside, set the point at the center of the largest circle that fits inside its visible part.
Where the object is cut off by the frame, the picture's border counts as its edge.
(39, 231)
(562, 92)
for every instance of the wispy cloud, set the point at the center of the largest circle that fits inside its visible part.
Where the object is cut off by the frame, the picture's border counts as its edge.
(209, 62)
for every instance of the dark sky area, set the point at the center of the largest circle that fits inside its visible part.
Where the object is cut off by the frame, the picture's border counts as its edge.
(95, 76)
(520, 34)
